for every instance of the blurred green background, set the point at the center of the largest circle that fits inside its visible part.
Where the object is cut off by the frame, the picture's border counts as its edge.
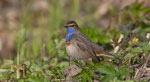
(32, 33)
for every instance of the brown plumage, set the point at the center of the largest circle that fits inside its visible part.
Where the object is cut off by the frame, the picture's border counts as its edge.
(81, 47)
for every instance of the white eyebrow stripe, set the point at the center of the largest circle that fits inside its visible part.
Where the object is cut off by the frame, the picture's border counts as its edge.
(71, 24)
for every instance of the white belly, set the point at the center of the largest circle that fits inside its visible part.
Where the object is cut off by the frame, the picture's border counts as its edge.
(74, 52)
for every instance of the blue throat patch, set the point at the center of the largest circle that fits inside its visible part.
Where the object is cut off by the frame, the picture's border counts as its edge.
(70, 32)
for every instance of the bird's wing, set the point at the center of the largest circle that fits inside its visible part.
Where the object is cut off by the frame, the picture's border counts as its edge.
(84, 44)
(96, 49)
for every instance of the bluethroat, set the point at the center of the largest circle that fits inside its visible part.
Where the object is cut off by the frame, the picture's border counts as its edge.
(80, 47)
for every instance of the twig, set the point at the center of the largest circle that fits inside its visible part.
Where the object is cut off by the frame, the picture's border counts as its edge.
(23, 66)
(128, 70)
(147, 59)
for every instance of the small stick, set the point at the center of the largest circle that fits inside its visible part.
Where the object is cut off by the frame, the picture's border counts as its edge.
(128, 70)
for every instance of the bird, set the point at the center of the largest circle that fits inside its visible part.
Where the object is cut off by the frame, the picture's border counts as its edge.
(80, 47)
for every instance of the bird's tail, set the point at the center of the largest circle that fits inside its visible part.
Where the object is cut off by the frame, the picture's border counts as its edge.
(106, 54)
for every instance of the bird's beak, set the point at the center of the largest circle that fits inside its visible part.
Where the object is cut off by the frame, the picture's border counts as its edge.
(65, 26)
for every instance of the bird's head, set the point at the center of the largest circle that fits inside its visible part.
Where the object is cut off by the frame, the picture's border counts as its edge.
(72, 27)
(72, 24)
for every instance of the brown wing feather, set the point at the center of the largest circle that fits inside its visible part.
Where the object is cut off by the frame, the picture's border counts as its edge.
(94, 48)
(84, 44)
(88, 51)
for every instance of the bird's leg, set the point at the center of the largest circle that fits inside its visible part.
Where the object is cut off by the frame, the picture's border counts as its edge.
(69, 60)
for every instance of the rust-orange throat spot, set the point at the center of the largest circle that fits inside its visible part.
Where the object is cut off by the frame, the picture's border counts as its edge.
(68, 43)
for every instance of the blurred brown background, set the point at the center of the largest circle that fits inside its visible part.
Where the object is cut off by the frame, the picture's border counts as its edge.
(11, 12)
